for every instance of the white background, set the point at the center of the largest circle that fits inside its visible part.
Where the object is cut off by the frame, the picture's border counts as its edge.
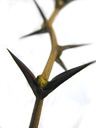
(73, 104)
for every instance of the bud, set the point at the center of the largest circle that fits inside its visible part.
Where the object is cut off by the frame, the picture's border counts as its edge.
(42, 81)
(60, 3)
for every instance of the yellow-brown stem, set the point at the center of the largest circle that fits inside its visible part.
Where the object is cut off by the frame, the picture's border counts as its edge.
(53, 55)
(56, 11)
(49, 65)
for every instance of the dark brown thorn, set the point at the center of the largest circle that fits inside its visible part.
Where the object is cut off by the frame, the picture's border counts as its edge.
(59, 79)
(27, 73)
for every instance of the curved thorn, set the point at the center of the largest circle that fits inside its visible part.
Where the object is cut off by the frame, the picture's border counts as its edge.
(59, 79)
(27, 73)
(43, 16)
(60, 62)
(34, 33)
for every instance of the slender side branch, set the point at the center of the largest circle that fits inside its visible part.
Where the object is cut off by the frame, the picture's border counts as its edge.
(56, 11)
(49, 65)
(53, 55)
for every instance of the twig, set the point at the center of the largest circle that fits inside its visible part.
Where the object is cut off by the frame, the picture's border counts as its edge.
(36, 113)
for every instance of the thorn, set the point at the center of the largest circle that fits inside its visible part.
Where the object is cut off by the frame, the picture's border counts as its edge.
(71, 46)
(60, 62)
(61, 49)
(59, 79)
(42, 14)
(34, 33)
(27, 73)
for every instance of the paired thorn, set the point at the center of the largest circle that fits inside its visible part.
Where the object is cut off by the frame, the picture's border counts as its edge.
(43, 29)
(60, 49)
(40, 86)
